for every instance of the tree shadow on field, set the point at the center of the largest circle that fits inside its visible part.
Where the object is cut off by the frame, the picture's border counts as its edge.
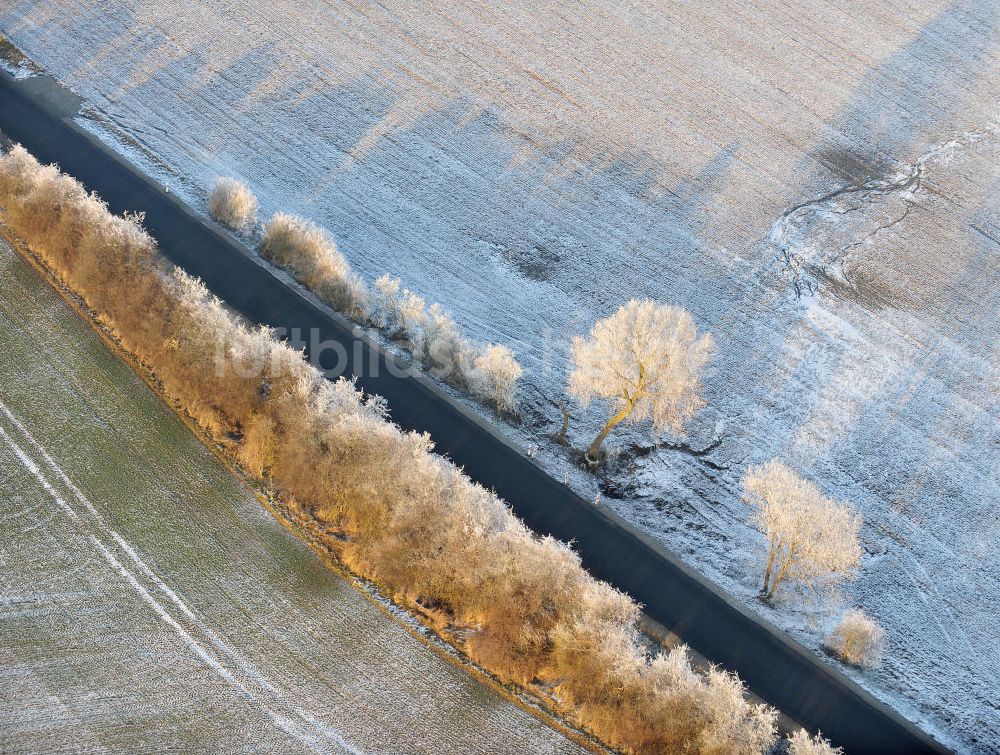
(898, 104)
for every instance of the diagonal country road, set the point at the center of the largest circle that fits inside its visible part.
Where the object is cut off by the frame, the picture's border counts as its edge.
(776, 668)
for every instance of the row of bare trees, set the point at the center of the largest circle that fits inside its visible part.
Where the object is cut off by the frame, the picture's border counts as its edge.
(488, 371)
(646, 358)
(405, 517)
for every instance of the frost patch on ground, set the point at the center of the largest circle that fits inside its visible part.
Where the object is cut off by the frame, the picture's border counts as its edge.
(815, 241)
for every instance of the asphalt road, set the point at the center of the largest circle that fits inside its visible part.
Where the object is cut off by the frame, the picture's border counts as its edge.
(775, 668)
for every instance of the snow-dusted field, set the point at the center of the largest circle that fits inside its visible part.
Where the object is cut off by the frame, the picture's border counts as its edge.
(816, 182)
(149, 603)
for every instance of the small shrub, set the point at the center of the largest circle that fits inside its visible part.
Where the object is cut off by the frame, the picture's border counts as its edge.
(384, 305)
(399, 312)
(233, 204)
(443, 348)
(494, 376)
(857, 639)
(311, 256)
(800, 743)
(489, 371)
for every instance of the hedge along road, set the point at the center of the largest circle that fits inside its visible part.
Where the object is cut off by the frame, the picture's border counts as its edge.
(34, 113)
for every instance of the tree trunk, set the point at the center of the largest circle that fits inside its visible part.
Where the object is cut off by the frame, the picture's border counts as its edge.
(630, 402)
(608, 427)
(772, 552)
(560, 437)
(781, 574)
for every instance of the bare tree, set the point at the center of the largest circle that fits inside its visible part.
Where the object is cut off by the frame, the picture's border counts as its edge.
(646, 359)
(810, 537)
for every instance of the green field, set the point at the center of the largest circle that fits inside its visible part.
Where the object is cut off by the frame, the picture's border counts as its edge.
(148, 601)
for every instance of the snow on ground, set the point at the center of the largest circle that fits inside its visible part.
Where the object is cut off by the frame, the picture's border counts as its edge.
(149, 603)
(816, 182)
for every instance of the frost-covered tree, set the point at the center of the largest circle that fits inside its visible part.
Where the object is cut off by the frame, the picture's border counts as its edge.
(489, 371)
(857, 639)
(810, 537)
(383, 306)
(800, 743)
(646, 360)
(310, 254)
(257, 450)
(442, 347)
(233, 204)
(397, 310)
(494, 375)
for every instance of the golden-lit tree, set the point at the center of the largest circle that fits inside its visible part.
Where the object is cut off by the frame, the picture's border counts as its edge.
(645, 360)
(233, 204)
(800, 743)
(310, 254)
(857, 639)
(810, 537)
